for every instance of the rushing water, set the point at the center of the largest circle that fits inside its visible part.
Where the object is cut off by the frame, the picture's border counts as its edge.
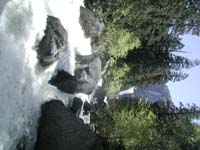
(22, 87)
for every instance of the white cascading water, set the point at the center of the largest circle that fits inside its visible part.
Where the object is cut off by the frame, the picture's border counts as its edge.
(22, 88)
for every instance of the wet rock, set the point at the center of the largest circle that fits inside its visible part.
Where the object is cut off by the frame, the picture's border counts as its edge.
(65, 82)
(86, 59)
(88, 72)
(91, 25)
(99, 96)
(54, 42)
(87, 107)
(92, 4)
(76, 106)
(60, 129)
(104, 61)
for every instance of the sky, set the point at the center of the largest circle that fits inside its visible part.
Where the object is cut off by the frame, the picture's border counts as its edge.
(188, 90)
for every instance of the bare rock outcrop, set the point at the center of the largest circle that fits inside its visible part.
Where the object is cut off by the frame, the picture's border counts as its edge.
(60, 129)
(54, 42)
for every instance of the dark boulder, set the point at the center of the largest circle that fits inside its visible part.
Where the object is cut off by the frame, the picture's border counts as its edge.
(65, 82)
(104, 61)
(92, 4)
(76, 106)
(99, 96)
(91, 25)
(87, 108)
(60, 129)
(54, 42)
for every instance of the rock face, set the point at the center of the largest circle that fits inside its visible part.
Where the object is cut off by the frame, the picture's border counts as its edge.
(76, 106)
(65, 82)
(91, 25)
(53, 43)
(59, 129)
(99, 96)
(87, 74)
(151, 93)
(92, 4)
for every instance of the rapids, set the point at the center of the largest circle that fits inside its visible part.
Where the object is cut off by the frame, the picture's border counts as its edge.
(22, 86)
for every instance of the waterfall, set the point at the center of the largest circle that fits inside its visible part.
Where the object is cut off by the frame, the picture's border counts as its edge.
(22, 87)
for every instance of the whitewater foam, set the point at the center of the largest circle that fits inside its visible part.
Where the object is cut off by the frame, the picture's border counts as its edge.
(23, 88)
(68, 11)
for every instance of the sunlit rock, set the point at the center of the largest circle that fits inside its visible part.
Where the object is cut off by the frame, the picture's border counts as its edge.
(88, 73)
(91, 25)
(151, 93)
(54, 42)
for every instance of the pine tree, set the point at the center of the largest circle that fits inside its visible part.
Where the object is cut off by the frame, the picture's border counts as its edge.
(157, 25)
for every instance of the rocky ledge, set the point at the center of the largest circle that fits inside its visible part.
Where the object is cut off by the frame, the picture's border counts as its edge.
(53, 43)
(87, 74)
(60, 129)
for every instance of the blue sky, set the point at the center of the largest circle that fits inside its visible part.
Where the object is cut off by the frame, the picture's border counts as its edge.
(187, 91)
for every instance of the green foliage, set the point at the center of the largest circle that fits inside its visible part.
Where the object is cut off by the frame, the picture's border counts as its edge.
(155, 25)
(115, 78)
(175, 125)
(129, 124)
(137, 125)
(141, 36)
(157, 17)
(103, 122)
(195, 139)
(148, 67)
(134, 124)
(116, 42)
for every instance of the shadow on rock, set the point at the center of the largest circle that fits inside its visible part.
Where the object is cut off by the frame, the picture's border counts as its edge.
(65, 82)
(60, 129)
(53, 43)
(87, 75)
